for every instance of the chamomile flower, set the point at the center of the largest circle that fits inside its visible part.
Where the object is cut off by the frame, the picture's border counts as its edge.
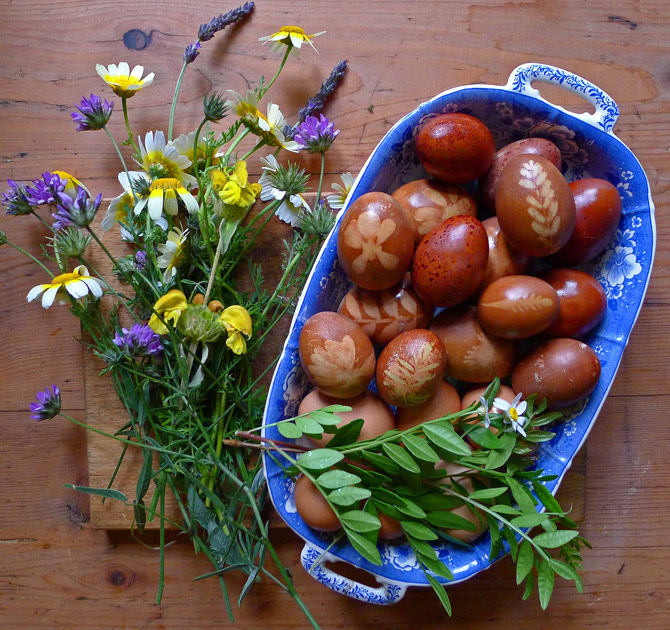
(121, 206)
(285, 184)
(161, 160)
(291, 36)
(336, 201)
(272, 129)
(173, 253)
(246, 107)
(77, 283)
(513, 413)
(164, 194)
(123, 82)
(237, 322)
(184, 146)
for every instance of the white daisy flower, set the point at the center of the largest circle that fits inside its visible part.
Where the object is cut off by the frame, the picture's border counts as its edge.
(161, 160)
(123, 82)
(292, 204)
(119, 206)
(513, 412)
(184, 145)
(273, 126)
(336, 201)
(164, 194)
(77, 283)
(173, 253)
(292, 36)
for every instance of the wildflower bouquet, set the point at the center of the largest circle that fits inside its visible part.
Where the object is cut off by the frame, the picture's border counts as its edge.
(175, 328)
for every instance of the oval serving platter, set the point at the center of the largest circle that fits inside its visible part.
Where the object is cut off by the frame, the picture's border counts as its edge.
(589, 149)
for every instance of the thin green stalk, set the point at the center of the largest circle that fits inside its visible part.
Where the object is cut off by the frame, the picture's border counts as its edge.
(323, 166)
(130, 140)
(37, 216)
(195, 156)
(174, 99)
(289, 268)
(161, 570)
(215, 264)
(123, 162)
(281, 67)
(258, 145)
(234, 144)
(29, 255)
(116, 469)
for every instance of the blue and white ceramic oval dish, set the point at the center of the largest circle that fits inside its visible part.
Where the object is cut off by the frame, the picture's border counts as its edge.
(589, 148)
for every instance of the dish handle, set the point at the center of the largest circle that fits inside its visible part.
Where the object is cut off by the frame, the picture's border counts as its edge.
(313, 560)
(607, 111)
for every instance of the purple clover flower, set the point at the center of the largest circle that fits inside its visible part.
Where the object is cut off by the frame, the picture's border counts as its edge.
(316, 134)
(191, 52)
(140, 259)
(94, 113)
(207, 31)
(138, 341)
(79, 211)
(15, 199)
(47, 405)
(45, 191)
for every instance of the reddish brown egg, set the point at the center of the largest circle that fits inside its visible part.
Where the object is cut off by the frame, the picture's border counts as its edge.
(444, 402)
(456, 148)
(337, 356)
(503, 259)
(375, 242)
(517, 307)
(383, 315)
(313, 507)
(450, 261)
(429, 202)
(473, 355)
(582, 299)
(390, 528)
(534, 205)
(410, 368)
(479, 519)
(561, 370)
(488, 184)
(377, 415)
(504, 392)
(598, 207)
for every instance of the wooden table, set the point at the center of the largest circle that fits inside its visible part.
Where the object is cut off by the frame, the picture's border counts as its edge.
(56, 571)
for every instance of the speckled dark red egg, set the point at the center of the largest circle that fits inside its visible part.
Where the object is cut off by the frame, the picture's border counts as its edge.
(562, 371)
(450, 261)
(534, 205)
(383, 315)
(503, 259)
(375, 242)
(582, 302)
(473, 355)
(456, 148)
(337, 356)
(517, 307)
(443, 402)
(410, 368)
(488, 184)
(429, 202)
(598, 208)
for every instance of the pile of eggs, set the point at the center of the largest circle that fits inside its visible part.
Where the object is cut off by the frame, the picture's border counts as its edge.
(439, 292)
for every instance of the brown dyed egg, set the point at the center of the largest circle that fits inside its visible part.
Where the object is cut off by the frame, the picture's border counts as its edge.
(390, 528)
(534, 205)
(503, 259)
(429, 202)
(444, 402)
(456, 148)
(313, 507)
(337, 356)
(473, 355)
(488, 184)
(450, 261)
(375, 242)
(383, 315)
(410, 368)
(598, 206)
(480, 523)
(517, 307)
(375, 412)
(561, 370)
(582, 299)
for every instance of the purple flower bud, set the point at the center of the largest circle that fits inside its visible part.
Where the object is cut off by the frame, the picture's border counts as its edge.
(94, 113)
(191, 52)
(140, 259)
(79, 211)
(207, 31)
(138, 341)
(315, 103)
(44, 191)
(15, 200)
(48, 404)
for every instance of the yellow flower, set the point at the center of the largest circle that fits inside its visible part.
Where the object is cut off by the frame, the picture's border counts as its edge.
(237, 322)
(169, 307)
(122, 81)
(71, 183)
(234, 189)
(291, 36)
(173, 253)
(163, 196)
(77, 283)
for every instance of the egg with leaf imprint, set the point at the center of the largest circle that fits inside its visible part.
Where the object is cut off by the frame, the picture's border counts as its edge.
(443, 402)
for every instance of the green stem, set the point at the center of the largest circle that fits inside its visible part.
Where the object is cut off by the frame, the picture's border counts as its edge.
(258, 145)
(37, 216)
(195, 156)
(281, 67)
(123, 162)
(174, 100)
(234, 144)
(29, 255)
(215, 264)
(131, 140)
(161, 570)
(287, 271)
(323, 166)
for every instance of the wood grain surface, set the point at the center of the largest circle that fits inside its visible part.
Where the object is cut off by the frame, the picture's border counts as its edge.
(56, 570)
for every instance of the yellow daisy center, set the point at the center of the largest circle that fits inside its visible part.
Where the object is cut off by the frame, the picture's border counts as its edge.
(514, 414)
(65, 278)
(167, 169)
(293, 29)
(166, 183)
(122, 82)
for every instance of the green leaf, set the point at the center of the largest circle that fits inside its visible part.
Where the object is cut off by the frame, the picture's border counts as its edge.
(436, 566)
(530, 581)
(521, 496)
(536, 437)
(567, 573)
(513, 543)
(406, 506)
(101, 492)
(368, 477)
(444, 436)
(388, 509)
(485, 437)
(449, 520)
(420, 449)
(524, 561)
(545, 583)
(248, 584)
(547, 499)
(552, 540)
(361, 544)
(382, 462)
(144, 478)
(347, 434)
(320, 459)
(309, 426)
(333, 479)
(494, 532)
(289, 430)
(529, 520)
(505, 509)
(401, 457)
(335, 409)
(360, 521)
(349, 495)
(140, 515)
(498, 458)
(488, 493)
(438, 501)
(441, 593)
(418, 530)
